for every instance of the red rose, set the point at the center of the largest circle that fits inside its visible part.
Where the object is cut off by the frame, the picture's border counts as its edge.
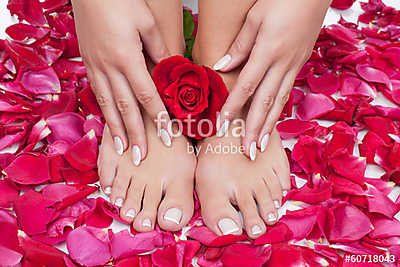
(190, 91)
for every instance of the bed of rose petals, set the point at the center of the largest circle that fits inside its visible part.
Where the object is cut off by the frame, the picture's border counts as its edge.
(51, 126)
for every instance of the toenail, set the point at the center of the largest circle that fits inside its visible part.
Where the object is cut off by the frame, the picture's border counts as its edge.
(253, 150)
(227, 226)
(271, 217)
(256, 230)
(173, 215)
(284, 193)
(277, 204)
(146, 223)
(130, 213)
(118, 202)
(107, 190)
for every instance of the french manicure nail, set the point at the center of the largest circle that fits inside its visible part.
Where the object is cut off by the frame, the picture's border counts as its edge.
(119, 148)
(284, 193)
(253, 150)
(224, 128)
(256, 230)
(271, 217)
(277, 204)
(118, 202)
(227, 226)
(137, 157)
(173, 215)
(165, 138)
(107, 190)
(264, 142)
(130, 213)
(223, 62)
(146, 222)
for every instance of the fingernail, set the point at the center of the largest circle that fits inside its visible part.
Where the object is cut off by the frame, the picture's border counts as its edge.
(107, 190)
(165, 138)
(173, 215)
(224, 128)
(264, 142)
(130, 213)
(277, 204)
(118, 202)
(227, 226)
(256, 230)
(146, 222)
(253, 150)
(284, 193)
(137, 157)
(271, 217)
(223, 62)
(119, 148)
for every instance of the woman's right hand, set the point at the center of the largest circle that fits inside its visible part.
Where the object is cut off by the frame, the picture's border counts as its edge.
(112, 36)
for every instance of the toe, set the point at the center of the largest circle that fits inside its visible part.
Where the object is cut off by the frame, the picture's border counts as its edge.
(274, 186)
(265, 204)
(107, 164)
(254, 225)
(282, 172)
(146, 218)
(133, 201)
(120, 187)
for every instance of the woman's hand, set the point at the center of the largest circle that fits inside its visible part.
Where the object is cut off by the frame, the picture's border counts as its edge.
(112, 36)
(275, 41)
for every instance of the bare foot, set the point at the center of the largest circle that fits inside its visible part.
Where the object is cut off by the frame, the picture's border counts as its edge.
(161, 187)
(228, 178)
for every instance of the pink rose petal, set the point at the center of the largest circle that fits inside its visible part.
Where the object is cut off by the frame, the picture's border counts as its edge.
(314, 106)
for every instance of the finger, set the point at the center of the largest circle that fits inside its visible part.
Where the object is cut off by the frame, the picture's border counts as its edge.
(276, 109)
(147, 95)
(131, 115)
(260, 106)
(152, 40)
(246, 84)
(241, 47)
(102, 89)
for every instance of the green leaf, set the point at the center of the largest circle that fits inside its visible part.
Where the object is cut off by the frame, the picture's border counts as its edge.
(188, 24)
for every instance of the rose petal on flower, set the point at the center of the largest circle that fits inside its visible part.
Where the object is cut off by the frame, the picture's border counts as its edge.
(208, 238)
(371, 74)
(237, 255)
(314, 106)
(28, 169)
(83, 154)
(66, 126)
(161, 74)
(293, 128)
(89, 246)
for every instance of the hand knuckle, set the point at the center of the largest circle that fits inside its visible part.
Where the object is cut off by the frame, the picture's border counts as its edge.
(248, 88)
(123, 106)
(102, 99)
(145, 97)
(268, 101)
(284, 98)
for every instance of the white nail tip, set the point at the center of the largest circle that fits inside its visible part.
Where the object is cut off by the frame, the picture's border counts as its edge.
(146, 223)
(223, 62)
(256, 230)
(277, 204)
(119, 202)
(253, 150)
(119, 148)
(271, 217)
(227, 226)
(165, 138)
(224, 128)
(107, 190)
(264, 142)
(284, 193)
(137, 157)
(130, 213)
(173, 215)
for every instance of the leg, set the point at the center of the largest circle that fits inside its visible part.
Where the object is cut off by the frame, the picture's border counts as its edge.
(227, 180)
(156, 190)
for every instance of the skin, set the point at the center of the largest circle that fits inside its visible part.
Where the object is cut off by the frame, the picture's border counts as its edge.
(275, 40)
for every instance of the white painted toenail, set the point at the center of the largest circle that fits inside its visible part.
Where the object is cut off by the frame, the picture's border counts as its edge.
(223, 62)
(137, 157)
(284, 193)
(276, 204)
(264, 142)
(107, 190)
(227, 226)
(165, 138)
(173, 215)
(118, 202)
(256, 230)
(146, 223)
(224, 128)
(130, 213)
(253, 150)
(119, 148)
(271, 217)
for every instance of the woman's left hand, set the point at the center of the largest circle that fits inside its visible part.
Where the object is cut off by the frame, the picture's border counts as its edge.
(275, 41)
